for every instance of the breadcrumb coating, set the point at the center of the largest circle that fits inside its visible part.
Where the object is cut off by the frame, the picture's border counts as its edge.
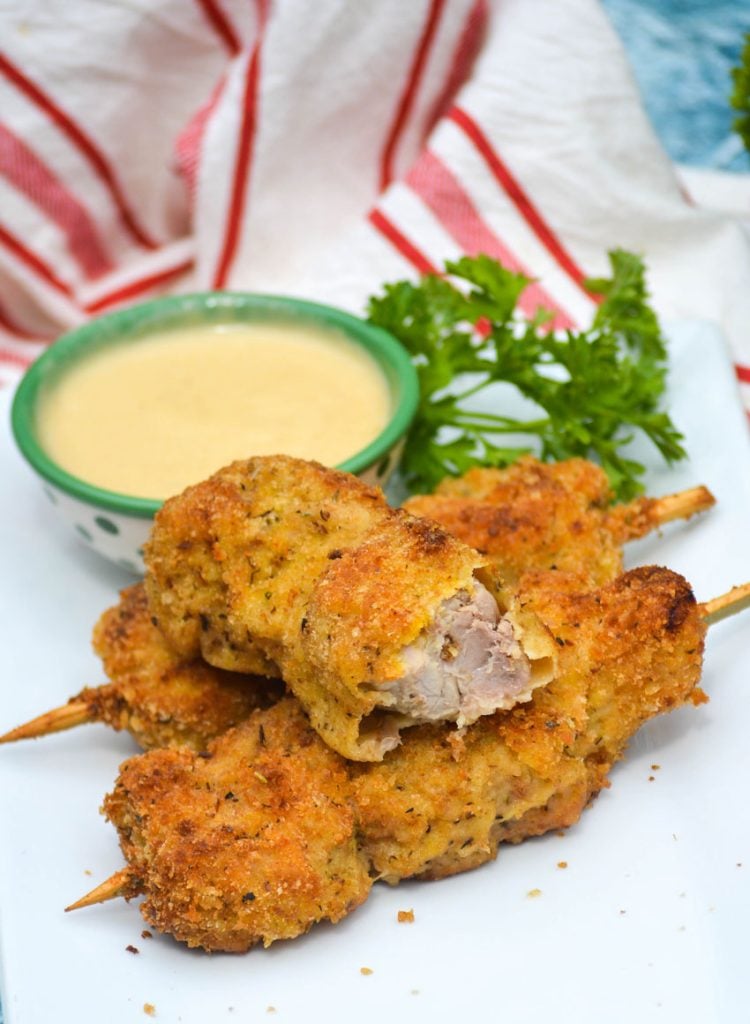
(535, 516)
(280, 565)
(626, 652)
(164, 700)
(252, 842)
(273, 810)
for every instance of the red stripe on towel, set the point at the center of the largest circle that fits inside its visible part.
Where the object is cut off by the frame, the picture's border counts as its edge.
(743, 373)
(8, 356)
(135, 288)
(452, 206)
(190, 140)
(11, 326)
(83, 144)
(407, 249)
(31, 176)
(407, 97)
(32, 261)
(243, 159)
(467, 49)
(221, 25)
(520, 198)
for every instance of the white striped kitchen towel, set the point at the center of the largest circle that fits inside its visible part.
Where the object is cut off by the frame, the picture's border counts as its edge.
(321, 149)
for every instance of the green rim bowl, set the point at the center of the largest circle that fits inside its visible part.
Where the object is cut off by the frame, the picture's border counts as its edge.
(117, 524)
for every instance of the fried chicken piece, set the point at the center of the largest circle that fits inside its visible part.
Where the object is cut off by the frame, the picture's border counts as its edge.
(273, 802)
(251, 842)
(374, 618)
(535, 515)
(170, 706)
(162, 699)
(443, 801)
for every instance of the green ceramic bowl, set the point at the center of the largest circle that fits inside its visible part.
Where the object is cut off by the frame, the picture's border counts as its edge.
(117, 525)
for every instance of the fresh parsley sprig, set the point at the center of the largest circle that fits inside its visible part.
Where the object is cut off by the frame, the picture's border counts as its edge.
(593, 389)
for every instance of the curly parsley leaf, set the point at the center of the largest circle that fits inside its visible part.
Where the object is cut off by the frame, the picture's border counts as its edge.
(591, 390)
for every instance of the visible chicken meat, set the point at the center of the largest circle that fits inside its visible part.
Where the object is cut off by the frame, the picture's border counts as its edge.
(444, 801)
(279, 562)
(272, 812)
(468, 663)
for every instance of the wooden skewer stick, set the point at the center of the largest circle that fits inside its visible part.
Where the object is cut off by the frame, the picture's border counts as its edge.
(123, 883)
(682, 505)
(718, 608)
(77, 712)
(644, 515)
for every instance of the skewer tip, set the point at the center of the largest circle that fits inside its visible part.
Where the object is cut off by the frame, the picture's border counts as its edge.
(644, 515)
(75, 712)
(683, 504)
(123, 883)
(718, 608)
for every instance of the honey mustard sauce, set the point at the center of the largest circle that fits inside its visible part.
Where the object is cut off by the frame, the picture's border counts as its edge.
(150, 417)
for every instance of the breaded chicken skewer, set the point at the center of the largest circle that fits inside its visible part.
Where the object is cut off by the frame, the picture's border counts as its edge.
(627, 652)
(536, 515)
(254, 840)
(166, 701)
(375, 619)
(162, 699)
(438, 805)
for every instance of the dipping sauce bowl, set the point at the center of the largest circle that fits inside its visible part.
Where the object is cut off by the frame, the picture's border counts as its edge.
(367, 420)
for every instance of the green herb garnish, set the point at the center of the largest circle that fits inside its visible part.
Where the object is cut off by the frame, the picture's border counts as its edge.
(593, 389)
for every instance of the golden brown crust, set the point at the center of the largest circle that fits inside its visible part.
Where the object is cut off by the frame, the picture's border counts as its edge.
(221, 546)
(429, 809)
(536, 516)
(367, 606)
(532, 515)
(284, 562)
(575, 476)
(441, 803)
(274, 811)
(162, 699)
(252, 843)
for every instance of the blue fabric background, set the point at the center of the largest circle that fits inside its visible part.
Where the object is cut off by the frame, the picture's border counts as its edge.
(682, 52)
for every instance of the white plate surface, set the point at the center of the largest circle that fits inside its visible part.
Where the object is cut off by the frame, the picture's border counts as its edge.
(647, 923)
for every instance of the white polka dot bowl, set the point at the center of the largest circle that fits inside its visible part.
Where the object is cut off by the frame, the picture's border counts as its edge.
(117, 525)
